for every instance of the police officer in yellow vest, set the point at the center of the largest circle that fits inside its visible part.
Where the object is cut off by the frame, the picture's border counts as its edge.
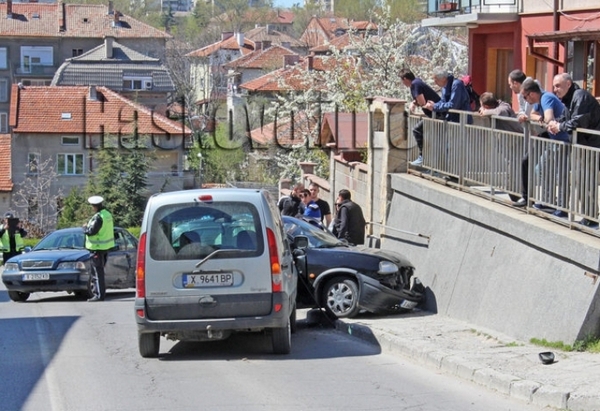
(11, 237)
(99, 239)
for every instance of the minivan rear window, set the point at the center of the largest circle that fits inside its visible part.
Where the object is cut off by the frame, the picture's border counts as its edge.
(195, 230)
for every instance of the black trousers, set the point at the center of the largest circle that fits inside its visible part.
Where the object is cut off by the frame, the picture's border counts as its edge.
(98, 281)
(10, 254)
(525, 176)
(418, 135)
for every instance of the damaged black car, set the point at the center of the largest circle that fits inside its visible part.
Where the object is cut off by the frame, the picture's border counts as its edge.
(346, 280)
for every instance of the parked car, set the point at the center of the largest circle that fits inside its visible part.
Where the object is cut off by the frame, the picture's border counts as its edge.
(346, 279)
(212, 262)
(59, 262)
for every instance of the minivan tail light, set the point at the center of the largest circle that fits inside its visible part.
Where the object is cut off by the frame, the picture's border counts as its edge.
(140, 270)
(276, 277)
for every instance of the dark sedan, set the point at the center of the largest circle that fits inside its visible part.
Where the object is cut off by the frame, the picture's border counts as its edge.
(346, 279)
(59, 262)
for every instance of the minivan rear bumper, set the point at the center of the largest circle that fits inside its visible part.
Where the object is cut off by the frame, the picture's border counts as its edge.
(275, 319)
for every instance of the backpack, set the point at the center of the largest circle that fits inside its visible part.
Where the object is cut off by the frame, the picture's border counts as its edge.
(473, 96)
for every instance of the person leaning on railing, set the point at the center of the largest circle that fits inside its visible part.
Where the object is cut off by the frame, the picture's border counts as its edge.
(583, 111)
(490, 106)
(421, 93)
(454, 96)
(549, 108)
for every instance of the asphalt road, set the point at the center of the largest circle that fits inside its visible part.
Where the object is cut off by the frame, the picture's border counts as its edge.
(60, 353)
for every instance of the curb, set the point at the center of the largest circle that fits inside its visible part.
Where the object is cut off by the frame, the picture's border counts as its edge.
(515, 387)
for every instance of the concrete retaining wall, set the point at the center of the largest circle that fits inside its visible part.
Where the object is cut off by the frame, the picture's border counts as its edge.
(495, 266)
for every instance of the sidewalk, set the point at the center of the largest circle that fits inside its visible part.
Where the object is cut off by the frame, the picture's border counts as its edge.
(485, 357)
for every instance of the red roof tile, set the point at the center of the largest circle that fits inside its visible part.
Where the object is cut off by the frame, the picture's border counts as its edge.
(5, 163)
(293, 78)
(265, 135)
(229, 44)
(68, 110)
(344, 139)
(270, 58)
(78, 20)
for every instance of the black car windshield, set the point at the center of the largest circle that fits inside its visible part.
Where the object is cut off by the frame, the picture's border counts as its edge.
(61, 239)
(317, 238)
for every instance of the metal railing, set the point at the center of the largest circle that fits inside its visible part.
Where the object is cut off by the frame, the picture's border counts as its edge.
(486, 159)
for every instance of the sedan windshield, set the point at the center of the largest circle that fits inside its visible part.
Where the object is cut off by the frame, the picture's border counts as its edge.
(61, 239)
(317, 238)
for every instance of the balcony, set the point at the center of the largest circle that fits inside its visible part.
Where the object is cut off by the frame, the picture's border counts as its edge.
(453, 13)
(34, 70)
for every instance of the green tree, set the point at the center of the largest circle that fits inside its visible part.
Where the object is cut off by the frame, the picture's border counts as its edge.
(223, 156)
(72, 213)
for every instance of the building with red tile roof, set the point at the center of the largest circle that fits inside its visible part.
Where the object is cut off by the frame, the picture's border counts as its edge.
(206, 65)
(69, 124)
(36, 38)
(6, 184)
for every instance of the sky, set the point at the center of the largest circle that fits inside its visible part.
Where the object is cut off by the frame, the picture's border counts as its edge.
(286, 3)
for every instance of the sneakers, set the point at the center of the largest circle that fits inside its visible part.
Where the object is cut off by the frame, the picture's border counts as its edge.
(559, 213)
(538, 206)
(94, 299)
(520, 203)
(588, 223)
(417, 162)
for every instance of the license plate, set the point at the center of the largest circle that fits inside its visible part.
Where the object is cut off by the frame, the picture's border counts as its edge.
(408, 305)
(36, 277)
(208, 280)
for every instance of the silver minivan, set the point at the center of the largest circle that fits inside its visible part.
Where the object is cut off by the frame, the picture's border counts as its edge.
(212, 262)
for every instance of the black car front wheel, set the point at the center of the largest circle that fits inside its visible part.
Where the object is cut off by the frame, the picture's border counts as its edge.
(18, 296)
(340, 296)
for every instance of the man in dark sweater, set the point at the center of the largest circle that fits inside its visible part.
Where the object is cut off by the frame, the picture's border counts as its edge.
(349, 220)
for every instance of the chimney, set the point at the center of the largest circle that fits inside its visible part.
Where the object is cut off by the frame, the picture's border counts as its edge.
(309, 62)
(110, 7)
(108, 45)
(269, 29)
(62, 7)
(8, 9)
(239, 37)
(116, 22)
(93, 94)
(290, 60)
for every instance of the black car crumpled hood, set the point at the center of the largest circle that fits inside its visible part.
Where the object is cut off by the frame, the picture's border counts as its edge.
(397, 258)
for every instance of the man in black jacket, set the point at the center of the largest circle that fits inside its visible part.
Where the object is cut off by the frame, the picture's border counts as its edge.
(583, 111)
(349, 220)
(291, 205)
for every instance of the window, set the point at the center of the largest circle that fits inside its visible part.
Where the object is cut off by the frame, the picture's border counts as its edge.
(70, 164)
(33, 163)
(34, 56)
(69, 141)
(137, 83)
(3, 58)
(3, 122)
(76, 52)
(3, 90)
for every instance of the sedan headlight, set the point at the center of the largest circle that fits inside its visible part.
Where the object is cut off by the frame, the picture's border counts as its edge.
(72, 265)
(387, 267)
(11, 267)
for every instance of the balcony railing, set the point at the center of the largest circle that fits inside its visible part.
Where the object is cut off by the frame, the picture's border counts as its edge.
(36, 70)
(442, 7)
(562, 179)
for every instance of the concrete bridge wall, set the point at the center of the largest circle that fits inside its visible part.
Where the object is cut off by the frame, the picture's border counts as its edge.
(495, 266)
